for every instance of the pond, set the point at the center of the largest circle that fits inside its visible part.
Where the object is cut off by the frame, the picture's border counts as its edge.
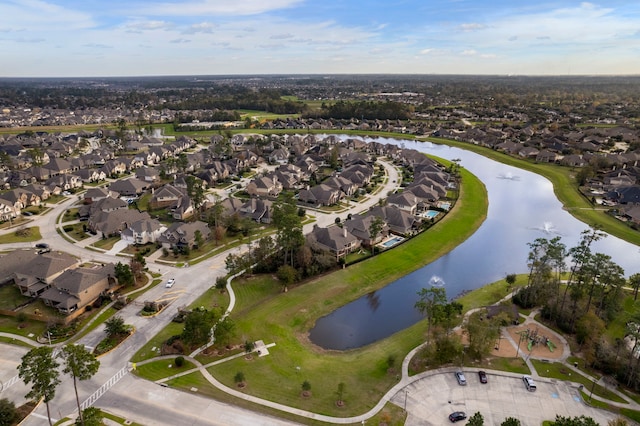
(522, 207)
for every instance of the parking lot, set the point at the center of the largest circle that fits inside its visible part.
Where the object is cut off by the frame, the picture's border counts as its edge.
(430, 400)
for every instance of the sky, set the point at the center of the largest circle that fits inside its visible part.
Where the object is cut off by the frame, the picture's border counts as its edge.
(91, 38)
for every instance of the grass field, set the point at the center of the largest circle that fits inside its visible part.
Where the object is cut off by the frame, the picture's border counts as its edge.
(263, 312)
(21, 235)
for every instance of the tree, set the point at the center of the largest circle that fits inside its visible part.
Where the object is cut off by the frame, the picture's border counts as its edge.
(8, 413)
(340, 393)
(511, 421)
(574, 421)
(289, 234)
(195, 192)
(91, 416)
(197, 326)
(81, 365)
(511, 280)
(239, 378)
(306, 388)
(198, 238)
(123, 274)
(634, 282)
(115, 327)
(136, 265)
(224, 330)
(476, 420)
(40, 369)
(375, 228)
(287, 275)
(430, 304)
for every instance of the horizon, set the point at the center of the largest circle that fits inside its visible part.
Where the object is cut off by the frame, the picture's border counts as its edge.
(156, 38)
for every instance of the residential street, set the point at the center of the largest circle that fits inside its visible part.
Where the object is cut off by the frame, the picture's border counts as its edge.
(191, 282)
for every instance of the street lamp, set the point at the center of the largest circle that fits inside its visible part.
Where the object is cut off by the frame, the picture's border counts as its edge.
(405, 399)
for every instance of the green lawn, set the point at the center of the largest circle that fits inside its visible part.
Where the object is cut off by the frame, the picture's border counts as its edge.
(162, 368)
(148, 351)
(263, 312)
(560, 371)
(21, 235)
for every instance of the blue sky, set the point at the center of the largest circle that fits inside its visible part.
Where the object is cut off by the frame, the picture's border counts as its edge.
(63, 38)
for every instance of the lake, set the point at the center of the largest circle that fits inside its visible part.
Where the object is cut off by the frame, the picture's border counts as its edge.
(522, 207)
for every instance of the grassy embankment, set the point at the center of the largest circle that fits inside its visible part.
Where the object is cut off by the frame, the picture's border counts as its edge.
(264, 313)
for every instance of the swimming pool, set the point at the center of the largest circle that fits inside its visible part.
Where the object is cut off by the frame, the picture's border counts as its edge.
(446, 205)
(392, 242)
(431, 214)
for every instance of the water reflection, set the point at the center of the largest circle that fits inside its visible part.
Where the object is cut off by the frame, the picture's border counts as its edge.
(522, 207)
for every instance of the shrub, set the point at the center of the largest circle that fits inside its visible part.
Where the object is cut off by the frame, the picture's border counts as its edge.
(179, 361)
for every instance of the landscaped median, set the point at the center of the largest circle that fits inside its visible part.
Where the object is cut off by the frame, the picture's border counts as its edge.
(263, 312)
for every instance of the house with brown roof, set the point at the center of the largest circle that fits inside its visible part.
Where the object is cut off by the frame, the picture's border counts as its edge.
(320, 195)
(75, 289)
(265, 186)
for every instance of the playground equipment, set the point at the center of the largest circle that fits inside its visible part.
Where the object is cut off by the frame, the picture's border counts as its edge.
(534, 339)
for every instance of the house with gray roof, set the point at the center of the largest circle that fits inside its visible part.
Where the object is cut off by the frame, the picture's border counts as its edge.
(338, 241)
(143, 231)
(33, 273)
(360, 226)
(75, 289)
(179, 234)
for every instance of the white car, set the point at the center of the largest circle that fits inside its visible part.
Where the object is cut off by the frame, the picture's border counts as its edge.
(170, 283)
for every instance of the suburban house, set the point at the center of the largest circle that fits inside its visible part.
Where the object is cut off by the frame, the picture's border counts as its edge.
(404, 201)
(320, 195)
(143, 232)
(264, 187)
(360, 227)
(75, 289)
(129, 187)
(98, 193)
(180, 235)
(338, 241)
(398, 221)
(8, 210)
(33, 273)
(257, 209)
(109, 223)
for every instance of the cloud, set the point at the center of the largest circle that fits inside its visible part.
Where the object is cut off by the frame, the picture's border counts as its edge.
(180, 41)
(141, 26)
(469, 52)
(29, 40)
(97, 46)
(472, 27)
(40, 15)
(203, 27)
(281, 36)
(217, 7)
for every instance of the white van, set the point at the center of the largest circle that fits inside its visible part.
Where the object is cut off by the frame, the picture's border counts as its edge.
(529, 383)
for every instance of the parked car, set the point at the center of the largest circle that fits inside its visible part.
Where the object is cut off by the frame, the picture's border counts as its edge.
(529, 383)
(170, 283)
(27, 214)
(482, 376)
(462, 381)
(44, 250)
(42, 246)
(456, 416)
